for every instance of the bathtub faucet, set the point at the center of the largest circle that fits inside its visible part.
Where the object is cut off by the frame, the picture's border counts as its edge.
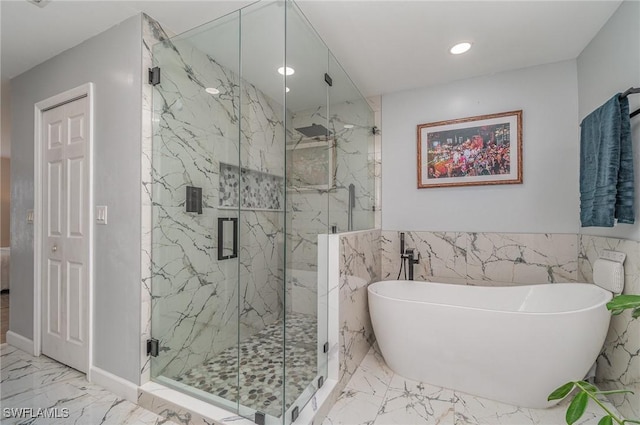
(410, 254)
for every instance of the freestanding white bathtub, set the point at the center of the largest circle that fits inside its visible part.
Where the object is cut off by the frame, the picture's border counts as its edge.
(512, 344)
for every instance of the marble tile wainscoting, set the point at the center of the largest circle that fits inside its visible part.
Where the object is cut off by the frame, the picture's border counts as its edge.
(619, 362)
(485, 258)
(353, 262)
(359, 267)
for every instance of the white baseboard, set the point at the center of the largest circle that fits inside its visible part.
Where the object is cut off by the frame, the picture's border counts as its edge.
(115, 384)
(20, 342)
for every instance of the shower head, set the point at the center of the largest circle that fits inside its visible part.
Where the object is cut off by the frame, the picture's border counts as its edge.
(314, 130)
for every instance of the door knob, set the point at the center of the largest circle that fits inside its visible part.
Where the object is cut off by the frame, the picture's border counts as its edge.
(54, 248)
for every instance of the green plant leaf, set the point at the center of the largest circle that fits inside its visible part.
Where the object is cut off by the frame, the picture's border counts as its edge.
(606, 420)
(623, 302)
(636, 313)
(587, 387)
(561, 392)
(576, 408)
(615, 392)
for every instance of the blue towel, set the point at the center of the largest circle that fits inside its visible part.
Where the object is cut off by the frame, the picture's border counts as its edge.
(606, 165)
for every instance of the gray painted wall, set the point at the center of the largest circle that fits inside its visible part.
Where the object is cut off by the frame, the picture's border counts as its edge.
(112, 61)
(546, 202)
(608, 65)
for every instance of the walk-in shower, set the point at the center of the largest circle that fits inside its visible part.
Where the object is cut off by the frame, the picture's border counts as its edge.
(239, 314)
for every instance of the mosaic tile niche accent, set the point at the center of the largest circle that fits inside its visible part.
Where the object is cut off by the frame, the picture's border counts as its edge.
(260, 191)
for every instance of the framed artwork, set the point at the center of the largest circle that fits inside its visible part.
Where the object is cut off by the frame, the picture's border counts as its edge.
(311, 165)
(485, 149)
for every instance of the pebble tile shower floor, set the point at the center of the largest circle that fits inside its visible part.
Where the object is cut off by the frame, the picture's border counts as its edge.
(261, 373)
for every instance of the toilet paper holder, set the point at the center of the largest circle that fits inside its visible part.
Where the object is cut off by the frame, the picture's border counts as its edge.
(616, 256)
(608, 271)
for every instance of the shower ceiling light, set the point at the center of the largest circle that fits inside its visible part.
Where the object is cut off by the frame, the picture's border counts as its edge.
(212, 90)
(460, 48)
(286, 71)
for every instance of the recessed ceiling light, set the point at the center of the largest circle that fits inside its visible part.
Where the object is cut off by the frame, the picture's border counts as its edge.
(348, 126)
(212, 90)
(287, 89)
(286, 71)
(460, 48)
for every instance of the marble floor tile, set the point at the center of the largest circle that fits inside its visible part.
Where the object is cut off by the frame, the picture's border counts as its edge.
(408, 402)
(429, 405)
(372, 377)
(32, 383)
(374, 396)
(354, 408)
(110, 410)
(23, 378)
(471, 410)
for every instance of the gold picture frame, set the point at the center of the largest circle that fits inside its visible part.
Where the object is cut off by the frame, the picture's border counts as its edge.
(480, 150)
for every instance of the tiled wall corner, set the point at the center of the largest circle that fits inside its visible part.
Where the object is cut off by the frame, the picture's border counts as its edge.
(619, 362)
(359, 266)
(484, 258)
(443, 254)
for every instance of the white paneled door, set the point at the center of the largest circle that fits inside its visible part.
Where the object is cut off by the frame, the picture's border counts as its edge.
(65, 272)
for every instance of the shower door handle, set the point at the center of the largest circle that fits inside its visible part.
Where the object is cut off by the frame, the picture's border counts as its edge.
(227, 238)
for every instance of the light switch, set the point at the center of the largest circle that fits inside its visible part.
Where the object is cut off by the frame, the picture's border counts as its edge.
(101, 214)
(30, 216)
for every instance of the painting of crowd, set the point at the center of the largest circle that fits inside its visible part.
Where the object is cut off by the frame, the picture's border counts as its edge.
(474, 151)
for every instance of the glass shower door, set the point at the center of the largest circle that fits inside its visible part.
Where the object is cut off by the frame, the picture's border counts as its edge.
(244, 161)
(262, 200)
(310, 165)
(195, 212)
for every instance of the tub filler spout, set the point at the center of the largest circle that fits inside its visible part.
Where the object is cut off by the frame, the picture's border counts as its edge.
(413, 258)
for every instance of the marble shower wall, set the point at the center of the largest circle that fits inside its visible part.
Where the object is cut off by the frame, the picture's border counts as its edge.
(360, 266)
(195, 296)
(619, 363)
(355, 163)
(485, 258)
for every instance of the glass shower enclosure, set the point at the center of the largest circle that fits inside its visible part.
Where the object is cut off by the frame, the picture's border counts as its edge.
(261, 143)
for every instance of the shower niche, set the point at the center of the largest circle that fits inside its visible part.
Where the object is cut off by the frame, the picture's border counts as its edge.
(243, 326)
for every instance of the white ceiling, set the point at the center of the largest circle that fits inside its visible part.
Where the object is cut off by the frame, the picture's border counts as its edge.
(385, 46)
